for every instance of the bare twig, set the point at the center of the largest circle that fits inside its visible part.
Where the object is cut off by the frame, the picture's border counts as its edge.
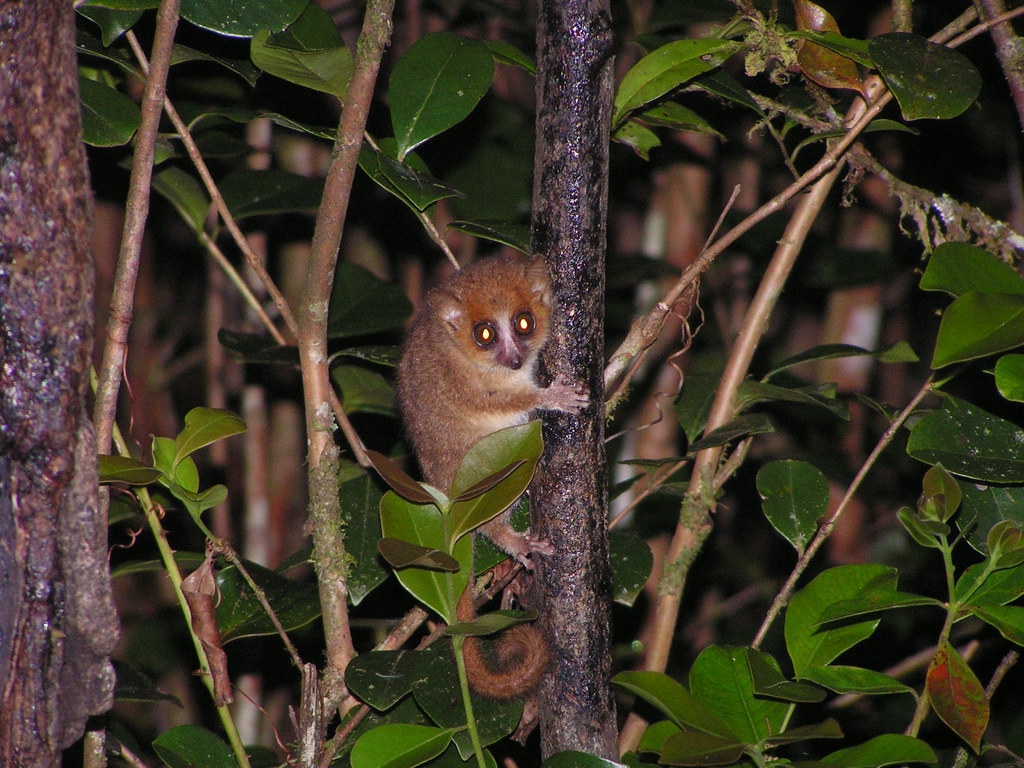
(826, 528)
(122, 301)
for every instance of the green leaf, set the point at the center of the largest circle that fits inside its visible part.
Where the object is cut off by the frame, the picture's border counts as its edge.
(422, 524)
(359, 500)
(309, 53)
(769, 681)
(257, 348)
(257, 193)
(887, 749)
(413, 186)
(720, 679)
(381, 678)
(361, 303)
(125, 5)
(133, 685)
(637, 137)
(120, 469)
(671, 114)
(112, 23)
(109, 118)
(1008, 619)
(674, 701)
(872, 600)
(979, 324)
(401, 554)
(928, 80)
(666, 69)
(822, 395)
(826, 729)
(240, 613)
(435, 85)
(794, 496)
(400, 482)
(184, 191)
(197, 502)
(969, 442)
(845, 679)
(182, 54)
(189, 746)
(822, 64)
(363, 390)
(984, 506)
(694, 402)
(957, 268)
(900, 352)
(941, 488)
(202, 427)
(957, 696)
(737, 429)
(515, 235)
(696, 748)
(506, 53)
(491, 623)
(399, 746)
(812, 645)
(631, 561)
(1009, 372)
(241, 18)
(998, 588)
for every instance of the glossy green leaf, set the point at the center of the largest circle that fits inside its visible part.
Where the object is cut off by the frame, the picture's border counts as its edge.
(258, 193)
(720, 679)
(381, 678)
(737, 429)
(506, 53)
(310, 53)
(957, 268)
(811, 644)
(183, 472)
(851, 48)
(120, 469)
(257, 348)
(900, 352)
(1008, 619)
(519, 444)
(998, 588)
(826, 729)
(666, 69)
(957, 696)
(694, 402)
(359, 501)
(673, 700)
(872, 600)
(421, 524)
(1009, 373)
(769, 681)
(671, 114)
(362, 303)
(969, 442)
(515, 235)
(794, 496)
(697, 748)
(197, 502)
(637, 137)
(184, 191)
(240, 115)
(112, 22)
(821, 395)
(631, 561)
(109, 118)
(887, 749)
(939, 485)
(241, 18)
(89, 45)
(240, 613)
(655, 735)
(491, 623)
(189, 746)
(979, 324)
(401, 554)
(845, 679)
(204, 426)
(924, 532)
(984, 506)
(133, 685)
(435, 85)
(928, 80)
(182, 54)
(413, 186)
(364, 390)
(399, 746)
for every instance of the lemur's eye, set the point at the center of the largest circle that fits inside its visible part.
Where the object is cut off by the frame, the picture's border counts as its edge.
(485, 334)
(524, 323)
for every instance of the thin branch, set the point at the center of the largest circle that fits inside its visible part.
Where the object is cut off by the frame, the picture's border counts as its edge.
(825, 530)
(213, 191)
(1009, 51)
(122, 302)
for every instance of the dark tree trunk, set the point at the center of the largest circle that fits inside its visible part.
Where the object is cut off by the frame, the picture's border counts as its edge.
(574, 79)
(57, 621)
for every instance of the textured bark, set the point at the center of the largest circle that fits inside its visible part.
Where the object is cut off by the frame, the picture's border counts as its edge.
(57, 621)
(574, 94)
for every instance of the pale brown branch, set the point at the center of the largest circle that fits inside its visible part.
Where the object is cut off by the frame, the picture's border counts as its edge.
(122, 302)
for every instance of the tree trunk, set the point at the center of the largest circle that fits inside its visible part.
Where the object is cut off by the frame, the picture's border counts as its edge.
(57, 620)
(574, 79)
